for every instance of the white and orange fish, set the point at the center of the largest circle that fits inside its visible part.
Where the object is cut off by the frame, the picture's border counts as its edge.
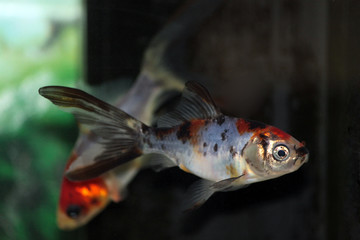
(80, 201)
(226, 152)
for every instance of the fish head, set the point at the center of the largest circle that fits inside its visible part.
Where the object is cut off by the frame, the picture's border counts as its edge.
(272, 153)
(80, 202)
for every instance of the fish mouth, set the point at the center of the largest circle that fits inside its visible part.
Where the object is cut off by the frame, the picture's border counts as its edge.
(302, 155)
(302, 152)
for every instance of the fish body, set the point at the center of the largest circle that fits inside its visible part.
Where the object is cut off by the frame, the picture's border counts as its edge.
(226, 152)
(223, 148)
(209, 148)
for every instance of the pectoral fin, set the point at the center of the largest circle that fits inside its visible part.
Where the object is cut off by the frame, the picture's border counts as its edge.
(225, 185)
(197, 194)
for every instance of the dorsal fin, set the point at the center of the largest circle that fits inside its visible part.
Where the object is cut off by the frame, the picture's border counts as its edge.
(195, 103)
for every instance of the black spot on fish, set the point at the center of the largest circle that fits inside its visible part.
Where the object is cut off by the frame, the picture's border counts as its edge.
(215, 147)
(220, 119)
(204, 154)
(223, 136)
(183, 132)
(256, 124)
(232, 151)
(205, 144)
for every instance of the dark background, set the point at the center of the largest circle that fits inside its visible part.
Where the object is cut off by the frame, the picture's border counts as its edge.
(290, 63)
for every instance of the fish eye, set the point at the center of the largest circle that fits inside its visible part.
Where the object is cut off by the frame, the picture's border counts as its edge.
(281, 152)
(73, 211)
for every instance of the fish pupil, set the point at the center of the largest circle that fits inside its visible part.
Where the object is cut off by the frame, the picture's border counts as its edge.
(281, 153)
(73, 211)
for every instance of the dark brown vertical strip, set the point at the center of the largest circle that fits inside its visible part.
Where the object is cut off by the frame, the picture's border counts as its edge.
(338, 78)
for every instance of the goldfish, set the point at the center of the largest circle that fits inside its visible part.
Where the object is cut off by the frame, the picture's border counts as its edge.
(226, 152)
(80, 201)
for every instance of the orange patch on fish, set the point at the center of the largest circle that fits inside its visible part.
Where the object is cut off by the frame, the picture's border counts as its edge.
(85, 193)
(231, 170)
(195, 126)
(281, 134)
(188, 131)
(185, 169)
(161, 133)
(242, 126)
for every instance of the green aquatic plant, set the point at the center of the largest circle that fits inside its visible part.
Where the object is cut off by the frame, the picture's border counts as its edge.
(32, 152)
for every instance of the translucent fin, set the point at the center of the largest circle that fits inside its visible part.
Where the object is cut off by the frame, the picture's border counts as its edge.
(196, 103)
(225, 185)
(198, 193)
(117, 132)
(202, 190)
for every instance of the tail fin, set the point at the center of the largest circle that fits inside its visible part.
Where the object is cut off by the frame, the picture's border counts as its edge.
(117, 132)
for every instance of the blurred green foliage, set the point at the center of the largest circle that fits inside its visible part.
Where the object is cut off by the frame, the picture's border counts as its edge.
(43, 47)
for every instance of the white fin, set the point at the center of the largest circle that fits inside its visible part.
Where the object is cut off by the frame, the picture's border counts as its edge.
(195, 103)
(117, 132)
